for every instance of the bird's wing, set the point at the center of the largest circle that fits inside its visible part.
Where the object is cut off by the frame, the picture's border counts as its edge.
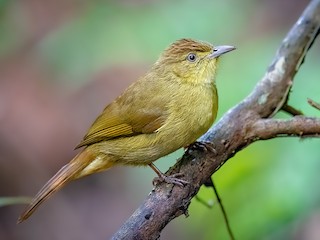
(123, 120)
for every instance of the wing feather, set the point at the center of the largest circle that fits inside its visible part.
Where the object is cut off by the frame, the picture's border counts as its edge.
(120, 120)
(137, 111)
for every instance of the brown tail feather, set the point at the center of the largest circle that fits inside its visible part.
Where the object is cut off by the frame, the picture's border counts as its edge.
(60, 179)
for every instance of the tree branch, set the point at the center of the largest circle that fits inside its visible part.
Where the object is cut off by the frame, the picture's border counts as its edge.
(297, 126)
(247, 122)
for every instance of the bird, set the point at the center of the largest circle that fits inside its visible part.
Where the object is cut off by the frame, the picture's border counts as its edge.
(168, 108)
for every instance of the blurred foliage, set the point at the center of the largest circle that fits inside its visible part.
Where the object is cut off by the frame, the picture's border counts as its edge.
(7, 36)
(101, 36)
(267, 188)
(6, 201)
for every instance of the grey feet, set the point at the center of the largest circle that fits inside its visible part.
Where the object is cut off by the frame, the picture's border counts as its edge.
(172, 179)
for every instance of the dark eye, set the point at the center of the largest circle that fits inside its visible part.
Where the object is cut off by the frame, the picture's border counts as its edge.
(191, 57)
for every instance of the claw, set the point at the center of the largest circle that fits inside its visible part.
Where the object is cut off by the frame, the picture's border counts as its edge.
(203, 146)
(172, 179)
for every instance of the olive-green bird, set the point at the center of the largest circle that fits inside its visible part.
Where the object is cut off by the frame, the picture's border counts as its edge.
(169, 108)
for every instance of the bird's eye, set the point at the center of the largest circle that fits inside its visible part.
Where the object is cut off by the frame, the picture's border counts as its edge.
(191, 57)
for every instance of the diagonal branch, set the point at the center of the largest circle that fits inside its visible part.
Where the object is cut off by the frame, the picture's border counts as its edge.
(245, 123)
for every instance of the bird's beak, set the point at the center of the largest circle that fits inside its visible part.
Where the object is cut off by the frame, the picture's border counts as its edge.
(219, 50)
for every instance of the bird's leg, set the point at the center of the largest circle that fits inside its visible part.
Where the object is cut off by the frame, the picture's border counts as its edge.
(173, 179)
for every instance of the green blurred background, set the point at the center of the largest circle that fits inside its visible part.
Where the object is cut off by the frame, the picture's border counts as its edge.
(62, 61)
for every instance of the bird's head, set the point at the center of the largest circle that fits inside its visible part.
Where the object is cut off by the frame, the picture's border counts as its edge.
(191, 61)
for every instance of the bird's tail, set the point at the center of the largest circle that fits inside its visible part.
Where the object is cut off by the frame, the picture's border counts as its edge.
(67, 173)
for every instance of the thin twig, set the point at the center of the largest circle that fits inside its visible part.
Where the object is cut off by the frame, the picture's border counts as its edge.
(205, 203)
(224, 213)
(291, 110)
(314, 104)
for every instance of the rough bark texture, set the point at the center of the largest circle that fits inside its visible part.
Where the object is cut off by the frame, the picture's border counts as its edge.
(247, 122)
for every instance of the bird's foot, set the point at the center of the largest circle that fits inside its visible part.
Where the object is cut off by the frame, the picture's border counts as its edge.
(203, 146)
(172, 179)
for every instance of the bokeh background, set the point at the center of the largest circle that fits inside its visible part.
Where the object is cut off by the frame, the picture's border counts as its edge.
(62, 61)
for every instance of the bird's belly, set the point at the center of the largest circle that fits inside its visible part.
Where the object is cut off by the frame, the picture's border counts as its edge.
(181, 129)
